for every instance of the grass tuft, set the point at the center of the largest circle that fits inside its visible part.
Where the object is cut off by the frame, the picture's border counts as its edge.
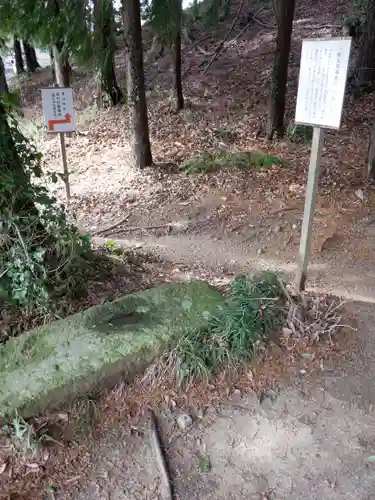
(252, 313)
(206, 163)
(299, 134)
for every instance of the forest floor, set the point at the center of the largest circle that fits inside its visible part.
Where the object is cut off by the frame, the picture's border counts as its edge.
(214, 226)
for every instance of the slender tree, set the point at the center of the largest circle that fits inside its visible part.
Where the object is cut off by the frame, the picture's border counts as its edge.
(59, 47)
(104, 42)
(52, 65)
(364, 78)
(62, 68)
(136, 84)
(3, 81)
(284, 15)
(165, 17)
(18, 56)
(177, 56)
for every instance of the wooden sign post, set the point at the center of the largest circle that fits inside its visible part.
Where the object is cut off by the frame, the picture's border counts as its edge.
(321, 89)
(59, 118)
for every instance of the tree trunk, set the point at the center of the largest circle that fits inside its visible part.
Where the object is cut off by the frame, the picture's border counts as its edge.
(177, 59)
(371, 156)
(364, 79)
(284, 16)
(34, 58)
(52, 64)
(30, 57)
(104, 25)
(18, 56)
(136, 84)
(3, 81)
(62, 66)
(111, 87)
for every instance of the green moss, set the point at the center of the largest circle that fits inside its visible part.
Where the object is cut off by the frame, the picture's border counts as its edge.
(86, 351)
(211, 162)
(28, 347)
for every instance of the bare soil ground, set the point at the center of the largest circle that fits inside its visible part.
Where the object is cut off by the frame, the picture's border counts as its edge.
(314, 439)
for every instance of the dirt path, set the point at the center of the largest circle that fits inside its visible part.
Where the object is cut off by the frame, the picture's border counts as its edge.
(347, 270)
(312, 438)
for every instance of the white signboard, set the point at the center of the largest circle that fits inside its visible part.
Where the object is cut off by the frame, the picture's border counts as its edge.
(58, 110)
(322, 81)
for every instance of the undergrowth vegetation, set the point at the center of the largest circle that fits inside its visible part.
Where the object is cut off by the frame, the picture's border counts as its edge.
(206, 163)
(252, 313)
(299, 134)
(43, 256)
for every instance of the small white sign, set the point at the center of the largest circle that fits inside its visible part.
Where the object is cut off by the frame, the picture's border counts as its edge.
(322, 82)
(58, 110)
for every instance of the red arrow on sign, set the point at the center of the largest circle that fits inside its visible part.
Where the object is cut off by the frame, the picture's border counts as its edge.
(52, 123)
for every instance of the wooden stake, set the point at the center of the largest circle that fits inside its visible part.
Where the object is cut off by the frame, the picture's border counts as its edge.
(65, 165)
(310, 201)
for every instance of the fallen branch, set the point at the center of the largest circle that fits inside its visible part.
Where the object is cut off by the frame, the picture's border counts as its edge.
(321, 26)
(204, 52)
(284, 209)
(198, 42)
(263, 24)
(146, 228)
(160, 457)
(219, 48)
(232, 42)
(109, 228)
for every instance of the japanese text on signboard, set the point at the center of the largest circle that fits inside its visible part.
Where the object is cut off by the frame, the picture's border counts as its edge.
(322, 82)
(58, 109)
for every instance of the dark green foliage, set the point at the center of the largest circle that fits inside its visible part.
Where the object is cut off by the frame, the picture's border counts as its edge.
(161, 15)
(103, 46)
(217, 10)
(211, 162)
(252, 313)
(356, 16)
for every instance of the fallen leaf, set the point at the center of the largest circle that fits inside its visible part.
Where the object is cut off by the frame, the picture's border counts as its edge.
(3, 467)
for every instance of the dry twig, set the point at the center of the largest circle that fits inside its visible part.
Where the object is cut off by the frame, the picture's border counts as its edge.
(160, 458)
(109, 228)
(313, 317)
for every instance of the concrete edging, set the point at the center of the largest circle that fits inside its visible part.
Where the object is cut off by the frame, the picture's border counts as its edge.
(88, 351)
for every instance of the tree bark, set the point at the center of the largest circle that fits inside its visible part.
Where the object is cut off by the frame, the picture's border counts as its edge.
(30, 57)
(284, 15)
(18, 56)
(365, 64)
(62, 66)
(104, 26)
(136, 84)
(3, 81)
(177, 58)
